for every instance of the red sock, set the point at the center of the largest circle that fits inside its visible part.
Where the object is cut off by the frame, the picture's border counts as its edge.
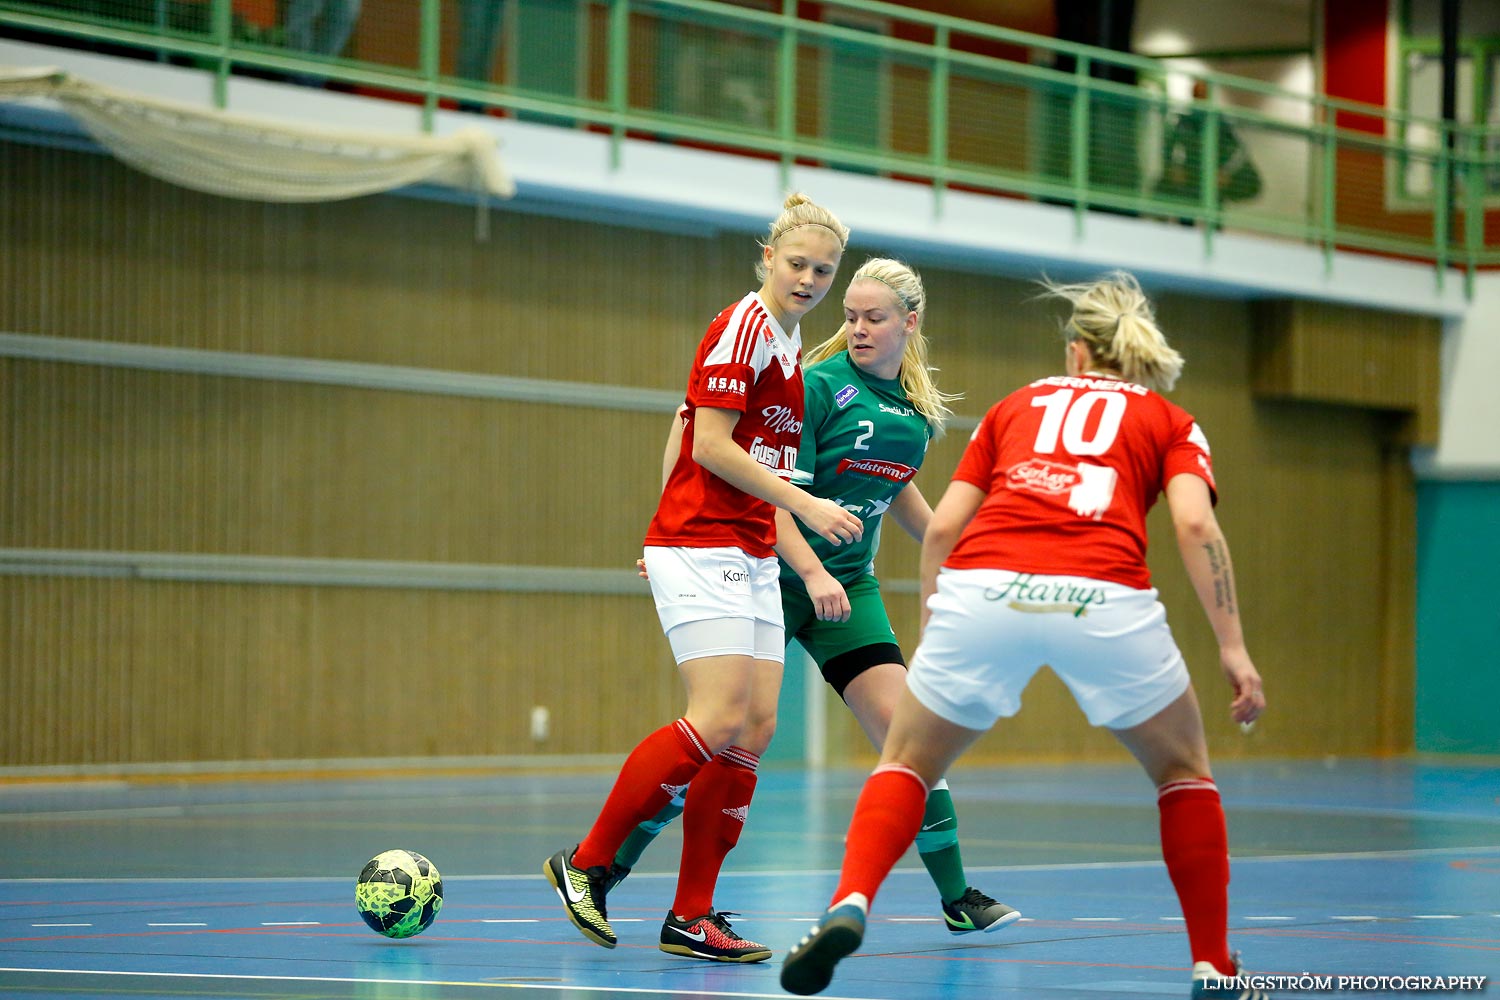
(886, 819)
(712, 821)
(1195, 846)
(659, 764)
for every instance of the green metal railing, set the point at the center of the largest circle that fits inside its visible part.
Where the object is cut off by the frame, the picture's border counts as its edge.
(942, 101)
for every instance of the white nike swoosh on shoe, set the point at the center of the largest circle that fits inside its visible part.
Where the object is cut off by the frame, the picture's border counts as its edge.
(699, 936)
(572, 898)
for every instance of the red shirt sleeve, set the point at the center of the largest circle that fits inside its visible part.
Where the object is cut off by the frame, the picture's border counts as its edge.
(978, 463)
(1189, 453)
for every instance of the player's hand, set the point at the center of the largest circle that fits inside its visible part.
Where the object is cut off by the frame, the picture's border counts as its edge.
(1249, 695)
(831, 521)
(640, 569)
(830, 603)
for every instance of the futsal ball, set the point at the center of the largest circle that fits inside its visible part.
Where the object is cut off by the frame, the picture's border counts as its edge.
(399, 893)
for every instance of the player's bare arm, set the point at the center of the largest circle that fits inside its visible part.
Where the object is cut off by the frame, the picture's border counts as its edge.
(1205, 556)
(668, 460)
(830, 602)
(954, 512)
(911, 510)
(674, 446)
(714, 448)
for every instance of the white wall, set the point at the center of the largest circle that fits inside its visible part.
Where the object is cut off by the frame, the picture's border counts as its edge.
(1469, 446)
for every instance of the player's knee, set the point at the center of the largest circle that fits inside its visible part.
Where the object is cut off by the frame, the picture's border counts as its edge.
(758, 734)
(726, 724)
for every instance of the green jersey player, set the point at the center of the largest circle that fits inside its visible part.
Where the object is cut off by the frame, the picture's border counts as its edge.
(871, 408)
(862, 442)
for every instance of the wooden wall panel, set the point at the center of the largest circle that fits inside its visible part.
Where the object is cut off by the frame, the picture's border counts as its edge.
(1315, 499)
(391, 281)
(1333, 353)
(109, 458)
(109, 671)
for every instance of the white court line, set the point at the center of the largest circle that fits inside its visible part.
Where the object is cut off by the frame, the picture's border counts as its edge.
(564, 988)
(130, 812)
(888, 920)
(1397, 855)
(801, 874)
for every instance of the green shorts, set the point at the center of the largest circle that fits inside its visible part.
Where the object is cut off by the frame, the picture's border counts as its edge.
(842, 650)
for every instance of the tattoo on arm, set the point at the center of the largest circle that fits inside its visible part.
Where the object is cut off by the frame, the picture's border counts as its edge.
(1218, 565)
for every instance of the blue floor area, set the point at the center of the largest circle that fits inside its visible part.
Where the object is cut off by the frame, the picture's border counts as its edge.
(245, 888)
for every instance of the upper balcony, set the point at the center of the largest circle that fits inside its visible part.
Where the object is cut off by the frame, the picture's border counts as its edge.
(872, 89)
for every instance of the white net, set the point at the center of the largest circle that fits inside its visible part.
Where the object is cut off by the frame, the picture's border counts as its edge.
(241, 156)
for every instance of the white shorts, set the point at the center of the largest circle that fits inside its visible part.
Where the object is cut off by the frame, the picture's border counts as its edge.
(717, 602)
(991, 630)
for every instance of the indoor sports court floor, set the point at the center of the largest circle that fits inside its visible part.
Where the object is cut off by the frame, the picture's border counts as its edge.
(244, 888)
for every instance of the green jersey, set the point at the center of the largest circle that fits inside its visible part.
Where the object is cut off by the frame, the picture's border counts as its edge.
(862, 442)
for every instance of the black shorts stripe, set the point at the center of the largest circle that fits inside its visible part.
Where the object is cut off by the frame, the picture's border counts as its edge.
(843, 668)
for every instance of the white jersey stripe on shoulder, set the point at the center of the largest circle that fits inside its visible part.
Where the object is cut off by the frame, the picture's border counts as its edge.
(728, 348)
(751, 324)
(744, 339)
(756, 333)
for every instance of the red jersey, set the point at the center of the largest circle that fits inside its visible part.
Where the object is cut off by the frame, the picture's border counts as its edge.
(1070, 467)
(746, 362)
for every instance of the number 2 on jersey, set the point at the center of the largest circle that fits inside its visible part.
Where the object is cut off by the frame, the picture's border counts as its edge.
(859, 442)
(1067, 419)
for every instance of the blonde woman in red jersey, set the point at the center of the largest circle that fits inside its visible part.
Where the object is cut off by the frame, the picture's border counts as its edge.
(714, 575)
(1037, 554)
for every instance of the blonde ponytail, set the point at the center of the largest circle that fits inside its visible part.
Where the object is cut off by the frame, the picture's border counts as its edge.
(1115, 319)
(797, 211)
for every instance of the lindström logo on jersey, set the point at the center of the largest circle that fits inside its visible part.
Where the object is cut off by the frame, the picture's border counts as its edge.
(894, 471)
(845, 394)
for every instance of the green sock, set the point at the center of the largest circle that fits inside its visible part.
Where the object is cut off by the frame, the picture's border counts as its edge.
(937, 844)
(641, 837)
